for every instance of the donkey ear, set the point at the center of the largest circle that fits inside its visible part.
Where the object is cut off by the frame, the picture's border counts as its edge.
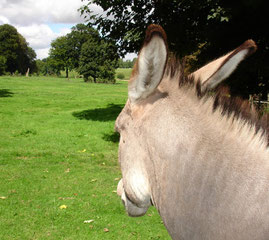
(149, 67)
(216, 71)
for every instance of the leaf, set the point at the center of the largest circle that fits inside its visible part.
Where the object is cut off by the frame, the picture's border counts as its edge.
(63, 207)
(106, 230)
(3, 198)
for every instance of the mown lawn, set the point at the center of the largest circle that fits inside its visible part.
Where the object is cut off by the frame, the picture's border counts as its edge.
(58, 162)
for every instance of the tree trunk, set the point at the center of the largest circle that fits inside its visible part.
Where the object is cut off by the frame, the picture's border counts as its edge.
(27, 73)
(66, 71)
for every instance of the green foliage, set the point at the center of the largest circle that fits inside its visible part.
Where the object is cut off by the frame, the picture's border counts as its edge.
(48, 66)
(41, 67)
(59, 54)
(183, 21)
(79, 35)
(65, 51)
(3, 61)
(120, 76)
(98, 61)
(220, 25)
(126, 63)
(58, 147)
(13, 46)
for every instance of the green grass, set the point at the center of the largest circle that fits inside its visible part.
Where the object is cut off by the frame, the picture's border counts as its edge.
(125, 71)
(58, 147)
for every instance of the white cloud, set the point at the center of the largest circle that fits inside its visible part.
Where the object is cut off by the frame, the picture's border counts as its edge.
(42, 53)
(3, 20)
(27, 12)
(33, 19)
(40, 37)
(130, 56)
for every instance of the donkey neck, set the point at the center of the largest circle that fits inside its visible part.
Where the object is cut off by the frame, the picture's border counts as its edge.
(207, 163)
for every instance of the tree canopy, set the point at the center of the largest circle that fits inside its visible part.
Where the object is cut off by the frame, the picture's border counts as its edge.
(206, 28)
(60, 54)
(15, 53)
(98, 61)
(80, 34)
(86, 51)
(65, 50)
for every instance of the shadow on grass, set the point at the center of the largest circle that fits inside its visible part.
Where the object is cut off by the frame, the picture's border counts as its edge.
(5, 93)
(109, 113)
(113, 137)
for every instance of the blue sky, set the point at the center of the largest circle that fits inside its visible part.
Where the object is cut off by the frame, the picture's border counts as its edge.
(42, 21)
(57, 27)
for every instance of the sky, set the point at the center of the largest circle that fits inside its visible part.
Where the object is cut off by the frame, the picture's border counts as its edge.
(41, 21)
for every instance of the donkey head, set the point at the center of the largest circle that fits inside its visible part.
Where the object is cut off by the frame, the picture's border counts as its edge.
(150, 103)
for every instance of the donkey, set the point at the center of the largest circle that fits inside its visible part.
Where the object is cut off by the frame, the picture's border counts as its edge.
(203, 165)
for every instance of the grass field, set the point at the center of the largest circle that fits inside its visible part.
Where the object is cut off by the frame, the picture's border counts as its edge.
(58, 162)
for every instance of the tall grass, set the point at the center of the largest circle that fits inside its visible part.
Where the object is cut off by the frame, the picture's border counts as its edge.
(58, 162)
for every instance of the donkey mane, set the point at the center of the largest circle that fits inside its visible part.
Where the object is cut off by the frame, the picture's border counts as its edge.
(229, 106)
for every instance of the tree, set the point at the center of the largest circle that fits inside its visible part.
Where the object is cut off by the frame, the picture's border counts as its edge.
(3, 61)
(126, 21)
(31, 59)
(98, 61)
(14, 48)
(80, 34)
(42, 67)
(65, 51)
(208, 27)
(60, 54)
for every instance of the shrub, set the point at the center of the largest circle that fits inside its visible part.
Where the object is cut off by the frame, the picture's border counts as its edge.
(7, 74)
(120, 76)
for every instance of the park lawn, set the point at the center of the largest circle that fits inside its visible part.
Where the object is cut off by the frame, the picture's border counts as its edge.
(58, 162)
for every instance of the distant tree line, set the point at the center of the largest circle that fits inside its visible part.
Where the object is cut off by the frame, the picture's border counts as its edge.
(126, 63)
(15, 54)
(201, 30)
(83, 50)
